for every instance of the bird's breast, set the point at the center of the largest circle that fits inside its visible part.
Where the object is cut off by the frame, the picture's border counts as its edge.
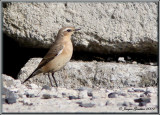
(60, 61)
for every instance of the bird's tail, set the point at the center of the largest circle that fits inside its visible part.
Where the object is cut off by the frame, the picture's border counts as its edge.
(33, 74)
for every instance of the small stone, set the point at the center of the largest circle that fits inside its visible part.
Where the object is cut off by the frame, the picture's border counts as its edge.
(27, 102)
(87, 105)
(153, 64)
(134, 62)
(21, 95)
(47, 96)
(79, 102)
(92, 98)
(64, 94)
(84, 88)
(10, 97)
(73, 97)
(121, 93)
(150, 89)
(32, 86)
(112, 95)
(90, 94)
(17, 83)
(130, 90)
(83, 94)
(10, 100)
(142, 95)
(143, 101)
(142, 104)
(121, 59)
(46, 87)
(139, 90)
(14, 90)
(29, 95)
(3, 101)
(129, 58)
(107, 103)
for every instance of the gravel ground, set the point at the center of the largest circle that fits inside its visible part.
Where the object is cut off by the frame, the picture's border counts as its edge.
(17, 97)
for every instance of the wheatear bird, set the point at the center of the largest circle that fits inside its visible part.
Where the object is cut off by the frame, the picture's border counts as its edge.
(58, 55)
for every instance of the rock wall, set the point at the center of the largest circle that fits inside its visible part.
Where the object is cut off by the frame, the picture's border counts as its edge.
(94, 74)
(106, 27)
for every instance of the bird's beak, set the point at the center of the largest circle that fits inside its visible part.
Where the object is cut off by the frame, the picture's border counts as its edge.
(77, 29)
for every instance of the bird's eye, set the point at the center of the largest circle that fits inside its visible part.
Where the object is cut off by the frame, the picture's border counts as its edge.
(69, 30)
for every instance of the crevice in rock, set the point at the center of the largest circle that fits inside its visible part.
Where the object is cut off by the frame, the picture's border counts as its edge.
(15, 56)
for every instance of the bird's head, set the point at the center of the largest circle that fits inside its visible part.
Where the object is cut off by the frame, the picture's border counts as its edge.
(67, 31)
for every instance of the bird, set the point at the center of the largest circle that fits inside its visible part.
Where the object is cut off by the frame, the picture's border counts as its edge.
(58, 55)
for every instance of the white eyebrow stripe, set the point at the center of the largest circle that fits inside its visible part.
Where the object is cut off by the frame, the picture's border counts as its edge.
(66, 29)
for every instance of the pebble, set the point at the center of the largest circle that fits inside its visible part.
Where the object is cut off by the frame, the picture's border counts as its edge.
(142, 101)
(121, 59)
(87, 105)
(17, 83)
(121, 93)
(73, 97)
(10, 97)
(29, 95)
(90, 94)
(83, 94)
(46, 87)
(10, 100)
(107, 103)
(113, 95)
(32, 86)
(134, 62)
(150, 90)
(47, 96)
(27, 102)
(142, 95)
(139, 90)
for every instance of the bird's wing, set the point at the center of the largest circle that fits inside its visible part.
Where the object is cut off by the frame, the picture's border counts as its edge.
(54, 51)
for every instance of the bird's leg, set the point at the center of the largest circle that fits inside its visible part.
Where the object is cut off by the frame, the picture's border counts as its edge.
(54, 79)
(50, 80)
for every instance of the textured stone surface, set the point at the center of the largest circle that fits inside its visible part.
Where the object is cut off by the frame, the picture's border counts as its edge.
(106, 27)
(94, 74)
(46, 100)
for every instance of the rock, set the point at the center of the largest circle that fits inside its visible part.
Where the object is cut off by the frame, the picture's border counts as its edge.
(87, 105)
(46, 87)
(121, 59)
(73, 97)
(108, 28)
(95, 74)
(29, 94)
(27, 102)
(113, 95)
(32, 86)
(10, 97)
(108, 103)
(150, 89)
(134, 62)
(139, 90)
(142, 95)
(131, 90)
(120, 93)
(8, 81)
(90, 94)
(17, 83)
(10, 100)
(125, 104)
(83, 94)
(47, 96)
(143, 101)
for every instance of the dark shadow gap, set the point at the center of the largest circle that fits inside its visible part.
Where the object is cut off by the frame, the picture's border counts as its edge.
(15, 56)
